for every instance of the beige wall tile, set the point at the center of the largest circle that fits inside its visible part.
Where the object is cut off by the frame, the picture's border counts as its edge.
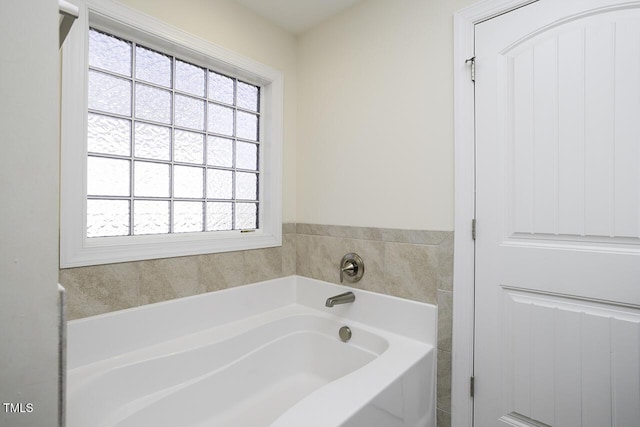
(445, 319)
(444, 381)
(410, 271)
(222, 271)
(422, 237)
(288, 228)
(170, 278)
(315, 229)
(417, 237)
(318, 257)
(288, 254)
(262, 264)
(443, 418)
(100, 289)
(445, 263)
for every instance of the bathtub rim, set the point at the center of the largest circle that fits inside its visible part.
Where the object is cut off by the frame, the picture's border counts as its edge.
(231, 304)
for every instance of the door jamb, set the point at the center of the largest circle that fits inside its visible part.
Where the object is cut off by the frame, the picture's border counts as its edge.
(464, 250)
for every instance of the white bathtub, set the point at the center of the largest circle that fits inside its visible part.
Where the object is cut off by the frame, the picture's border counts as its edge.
(266, 354)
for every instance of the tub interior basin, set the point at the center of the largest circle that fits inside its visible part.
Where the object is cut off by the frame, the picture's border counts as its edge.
(231, 378)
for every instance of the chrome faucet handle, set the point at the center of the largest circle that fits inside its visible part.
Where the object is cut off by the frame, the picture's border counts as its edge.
(351, 268)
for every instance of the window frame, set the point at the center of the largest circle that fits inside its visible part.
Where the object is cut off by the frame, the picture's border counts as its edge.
(76, 249)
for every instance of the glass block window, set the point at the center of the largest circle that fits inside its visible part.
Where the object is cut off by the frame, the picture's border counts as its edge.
(173, 147)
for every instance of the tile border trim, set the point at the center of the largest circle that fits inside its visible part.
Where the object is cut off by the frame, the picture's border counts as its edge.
(416, 237)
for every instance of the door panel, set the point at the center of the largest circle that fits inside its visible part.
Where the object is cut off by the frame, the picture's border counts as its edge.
(570, 91)
(561, 352)
(558, 214)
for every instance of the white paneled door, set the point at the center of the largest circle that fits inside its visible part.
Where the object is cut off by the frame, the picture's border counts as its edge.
(558, 215)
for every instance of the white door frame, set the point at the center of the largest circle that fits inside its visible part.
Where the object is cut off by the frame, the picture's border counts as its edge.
(464, 251)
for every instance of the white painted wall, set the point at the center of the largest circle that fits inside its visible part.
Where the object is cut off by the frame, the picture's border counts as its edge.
(368, 105)
(230, 25)
(375, 120)
(29, 211)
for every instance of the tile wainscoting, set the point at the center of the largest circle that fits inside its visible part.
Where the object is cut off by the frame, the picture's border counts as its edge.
(103, 288)
(413, 264)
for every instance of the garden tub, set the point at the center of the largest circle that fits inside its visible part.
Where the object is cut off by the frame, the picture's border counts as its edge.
(265, 354)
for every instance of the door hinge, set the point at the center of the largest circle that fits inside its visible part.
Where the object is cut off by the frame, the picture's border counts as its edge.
(473, 229)
(473, 67)
(472, 382)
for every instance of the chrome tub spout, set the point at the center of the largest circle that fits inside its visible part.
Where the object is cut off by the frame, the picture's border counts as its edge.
(345, 298)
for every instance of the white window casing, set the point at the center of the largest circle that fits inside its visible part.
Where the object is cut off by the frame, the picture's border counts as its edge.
(78, 250)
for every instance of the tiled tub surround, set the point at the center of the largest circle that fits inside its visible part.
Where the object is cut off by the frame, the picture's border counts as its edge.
(104, 288)
(412, 264)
